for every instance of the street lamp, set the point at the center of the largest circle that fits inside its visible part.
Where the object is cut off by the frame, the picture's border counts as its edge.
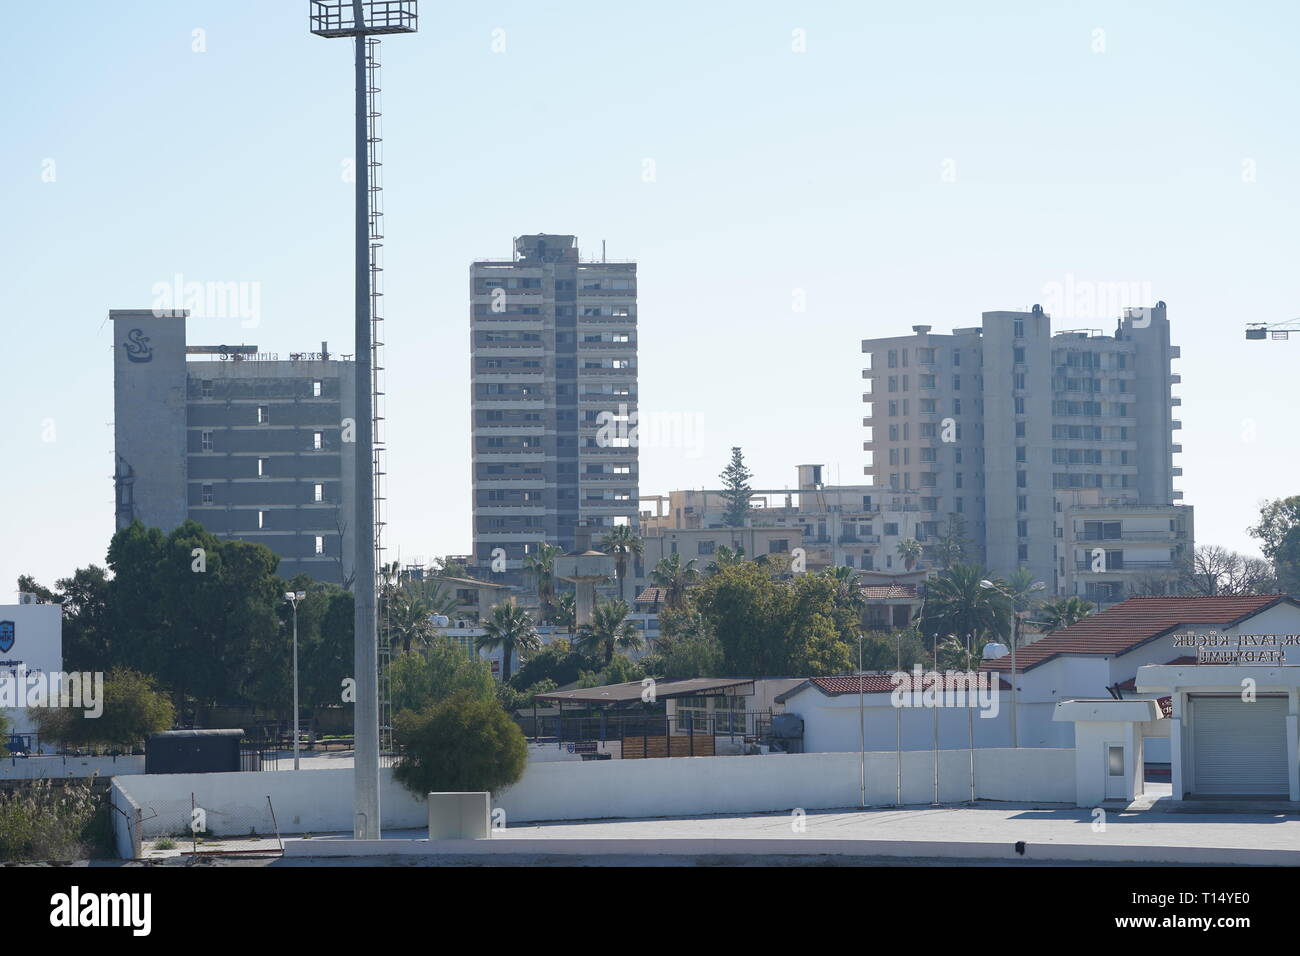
(293, 597)
(1015, 636)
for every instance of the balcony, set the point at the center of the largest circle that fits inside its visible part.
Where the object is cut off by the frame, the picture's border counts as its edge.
(1128, 566)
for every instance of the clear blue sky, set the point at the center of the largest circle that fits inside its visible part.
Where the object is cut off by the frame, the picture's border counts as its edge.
(822, 171)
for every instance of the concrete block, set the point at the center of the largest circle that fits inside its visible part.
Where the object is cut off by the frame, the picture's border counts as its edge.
(460, 816)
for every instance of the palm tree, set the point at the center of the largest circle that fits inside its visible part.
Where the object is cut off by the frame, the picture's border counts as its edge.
(511, 629)
(674, 577)
(957, 604)
(409, 619)
(566, 611)
(847, 592)
(1057, 615)
(609, 627)
(541, 564)
(622, 542)
(725, 557)
(909, 549)
(1021, 589)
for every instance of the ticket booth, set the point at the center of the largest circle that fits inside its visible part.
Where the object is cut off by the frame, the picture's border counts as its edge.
(1108, 746)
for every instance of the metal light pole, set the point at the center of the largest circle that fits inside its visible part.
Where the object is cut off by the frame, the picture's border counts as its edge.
(293, 597)
(359, 19)
(1015, 635)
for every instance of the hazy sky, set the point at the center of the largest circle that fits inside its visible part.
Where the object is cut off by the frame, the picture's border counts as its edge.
(916, 163)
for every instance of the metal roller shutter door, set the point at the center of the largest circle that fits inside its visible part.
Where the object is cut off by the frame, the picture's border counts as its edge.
(1240, 748)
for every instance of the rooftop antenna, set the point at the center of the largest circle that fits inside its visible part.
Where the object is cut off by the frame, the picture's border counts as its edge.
(363, 20)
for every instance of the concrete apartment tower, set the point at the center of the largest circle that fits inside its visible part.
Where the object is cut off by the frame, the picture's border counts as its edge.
(553, 398)
(1057, 449)
(246, 444)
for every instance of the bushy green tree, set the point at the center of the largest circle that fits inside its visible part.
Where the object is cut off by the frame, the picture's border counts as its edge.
(461, 743)
(133, 707)
(417, 681)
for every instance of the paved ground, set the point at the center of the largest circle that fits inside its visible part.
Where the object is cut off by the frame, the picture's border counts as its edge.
(996, 823)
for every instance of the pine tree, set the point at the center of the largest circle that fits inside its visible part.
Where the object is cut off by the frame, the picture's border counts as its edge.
(735, 490)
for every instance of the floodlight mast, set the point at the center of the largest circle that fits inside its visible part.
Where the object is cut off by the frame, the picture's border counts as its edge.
(340, 18)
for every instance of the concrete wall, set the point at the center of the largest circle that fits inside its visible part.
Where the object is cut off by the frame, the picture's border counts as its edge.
(305, 801)
(686, 786)
(320, 801)
(128, 827)
(42, 768)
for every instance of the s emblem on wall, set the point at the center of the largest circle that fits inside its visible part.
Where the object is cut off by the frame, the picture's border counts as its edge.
(6, 636)
(137, 347)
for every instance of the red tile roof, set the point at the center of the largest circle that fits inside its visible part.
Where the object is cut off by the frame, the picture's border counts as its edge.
(871, 684)
(889, 592)
(1126, 625)
(652, 596)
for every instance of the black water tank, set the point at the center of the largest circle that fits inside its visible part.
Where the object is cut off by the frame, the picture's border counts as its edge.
(193, 751)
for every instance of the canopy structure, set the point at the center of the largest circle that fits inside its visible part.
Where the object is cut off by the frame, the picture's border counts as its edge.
(619, 695)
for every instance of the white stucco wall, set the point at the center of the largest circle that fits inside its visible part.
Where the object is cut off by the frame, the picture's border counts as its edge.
(40, 768)
(320, 801)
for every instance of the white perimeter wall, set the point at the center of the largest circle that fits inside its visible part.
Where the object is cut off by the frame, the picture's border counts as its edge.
(41, 768)
(320, 801)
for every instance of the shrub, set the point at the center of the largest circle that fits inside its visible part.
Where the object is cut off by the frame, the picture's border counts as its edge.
(462, 743)
(40, 820)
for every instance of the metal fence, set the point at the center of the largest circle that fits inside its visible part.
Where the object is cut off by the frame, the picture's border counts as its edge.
(248, 831)
(678, 730)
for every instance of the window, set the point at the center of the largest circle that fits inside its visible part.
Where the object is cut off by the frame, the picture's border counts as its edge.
(1019, 405)
(1018, 380)
(893, 383)
(318, 492)
(263, 467)
(1022, 552)
(927, 454)
(320, 544)
(956, 357)
(206, 495)
(1018, 355)
(1114, 761)
(956, 406)
(263, 414)
(1020, 454)
(1022, 503)
(1018, 328)
(205, 388)
(926, 381)
(205, 440)
(261, 519)
(1022, 479)
(778, 546)
(1020, 429)
(956, 383)
(708, 547)
(317, 388)
(1022, 528)
(317, 440)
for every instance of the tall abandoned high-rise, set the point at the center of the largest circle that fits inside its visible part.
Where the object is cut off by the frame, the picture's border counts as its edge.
(1056, 448)
(553, 398)
(248, 445)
